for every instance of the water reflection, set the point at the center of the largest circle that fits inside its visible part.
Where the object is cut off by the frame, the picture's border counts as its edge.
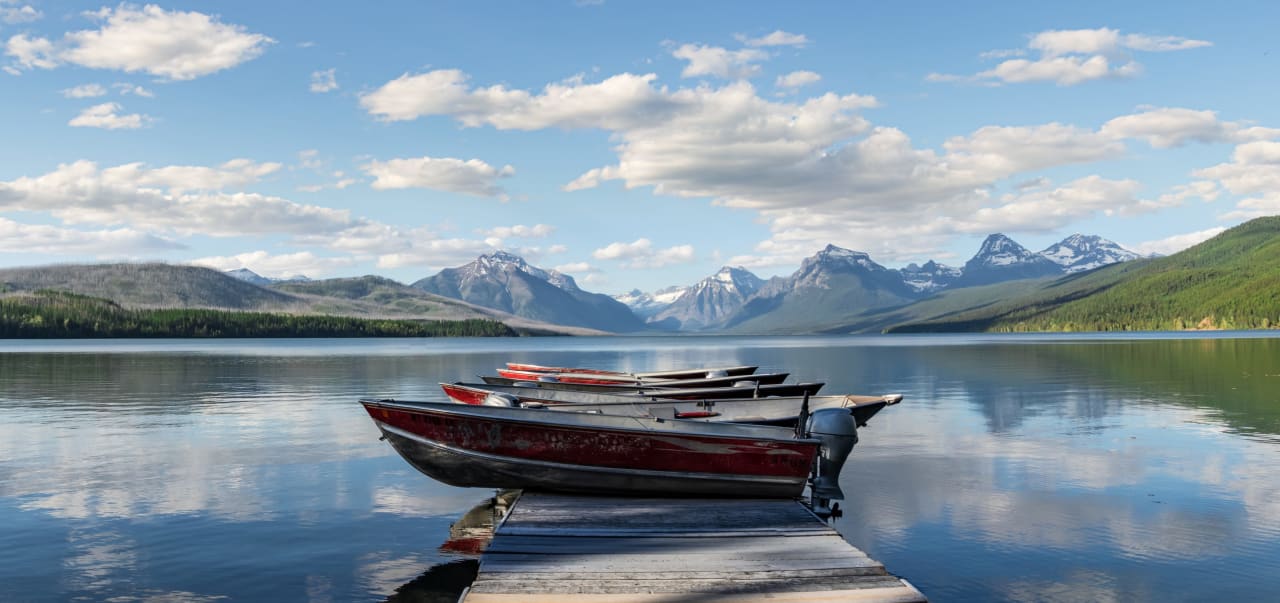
(1016, 469)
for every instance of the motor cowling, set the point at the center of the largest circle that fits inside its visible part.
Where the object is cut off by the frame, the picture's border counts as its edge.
(836, 429)
(500, 399)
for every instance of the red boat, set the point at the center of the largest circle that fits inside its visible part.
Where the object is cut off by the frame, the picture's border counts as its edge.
(691, 373)
(598, 379)
(746, 388)
(496, 447)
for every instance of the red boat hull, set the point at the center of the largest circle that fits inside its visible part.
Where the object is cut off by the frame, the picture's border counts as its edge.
(516, 448)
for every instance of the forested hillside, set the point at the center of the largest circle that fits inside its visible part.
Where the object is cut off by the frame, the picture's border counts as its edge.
(1231, 281)
(56, 314)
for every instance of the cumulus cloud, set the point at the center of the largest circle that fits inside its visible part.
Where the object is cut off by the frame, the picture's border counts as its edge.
(719, 62)
(1253, 172)
(471, 177)
(537, 231)
(178, 199)
(1070, 57)
(1176, 243)
(777, 38)
(20, 14)
(577, 268)
(42, 238)
(1047, 210)
(85, 91)
(796, 79)
(1173, 127)
(620, 101)
(108, 117)
(175, 45)
(815, 169)
(324, 81)
(125, 89)
(641, 254)
(288, 265)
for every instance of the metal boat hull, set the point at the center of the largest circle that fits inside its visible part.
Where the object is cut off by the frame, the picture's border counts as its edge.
(763, 411)
(518, 448)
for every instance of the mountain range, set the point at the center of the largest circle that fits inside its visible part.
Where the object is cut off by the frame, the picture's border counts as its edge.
(1080, 282)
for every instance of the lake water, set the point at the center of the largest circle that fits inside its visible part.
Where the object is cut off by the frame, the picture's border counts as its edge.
(1017, 468)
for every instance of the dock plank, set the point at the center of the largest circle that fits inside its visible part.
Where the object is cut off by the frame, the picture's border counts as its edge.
(585, 549)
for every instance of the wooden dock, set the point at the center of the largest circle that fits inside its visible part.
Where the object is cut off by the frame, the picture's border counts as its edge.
(587, 549)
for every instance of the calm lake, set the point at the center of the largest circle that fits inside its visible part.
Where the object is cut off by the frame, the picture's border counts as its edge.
(1028, 468)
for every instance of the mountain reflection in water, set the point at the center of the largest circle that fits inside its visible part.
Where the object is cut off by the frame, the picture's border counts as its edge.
(1017, 467)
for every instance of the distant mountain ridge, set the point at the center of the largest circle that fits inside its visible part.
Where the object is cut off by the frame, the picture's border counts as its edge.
(710, 301)
(506, 282)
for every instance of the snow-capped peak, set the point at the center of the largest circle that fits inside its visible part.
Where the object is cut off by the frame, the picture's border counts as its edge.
(999, 250)
(1078, 253)
(838, 256)
(930, 277)
(505, 261)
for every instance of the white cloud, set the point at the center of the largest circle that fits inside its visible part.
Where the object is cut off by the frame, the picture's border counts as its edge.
(1173, 127)
(577, 268)
(537, 231)
(472, 176)
(777, 38)
(1047, 210)
(641, 254)
(1254, 172)
(796, 79)
(20, 14)
(434, 253)
(1070, 57)
(324, 81)
(125, 88)
(85, 91)
(107, 116)
(171, 44)
(1176, 243)
(174, 199)
(289, 265)
(814, 169)
(30, 53)
(719, 62)
(620, 101)
(41, 238)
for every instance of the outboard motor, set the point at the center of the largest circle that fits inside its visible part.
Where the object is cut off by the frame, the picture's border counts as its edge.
(838, 431)
(500, 399)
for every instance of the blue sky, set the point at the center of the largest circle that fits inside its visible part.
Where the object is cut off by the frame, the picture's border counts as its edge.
(630, 144)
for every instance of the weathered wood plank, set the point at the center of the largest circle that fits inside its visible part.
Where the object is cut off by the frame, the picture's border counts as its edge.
(584, 549)
(763, 585)
(659, 564)
(900, 594)
(677, 574)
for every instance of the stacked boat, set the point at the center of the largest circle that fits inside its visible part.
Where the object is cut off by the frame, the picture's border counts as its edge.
(718, 431)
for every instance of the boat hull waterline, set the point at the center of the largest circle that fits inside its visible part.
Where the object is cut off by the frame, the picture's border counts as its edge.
(494, 447)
